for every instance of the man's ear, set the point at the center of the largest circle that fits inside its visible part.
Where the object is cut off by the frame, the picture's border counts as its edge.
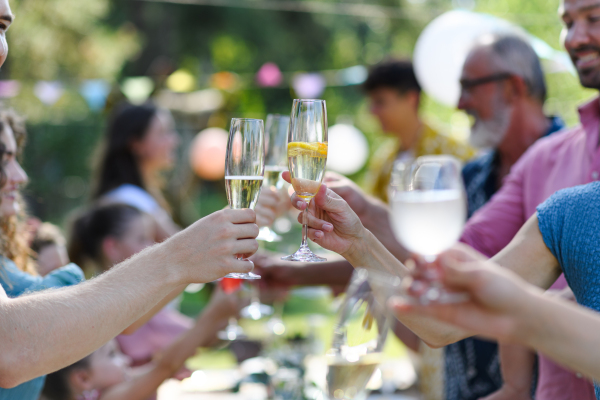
(517, 88)
(80, 380)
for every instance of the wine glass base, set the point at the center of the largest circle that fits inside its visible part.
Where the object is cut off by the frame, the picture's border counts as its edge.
(231, 333)
(267, 235)
(256, 311)
(249, 275)
(304, 255)
(439, 296)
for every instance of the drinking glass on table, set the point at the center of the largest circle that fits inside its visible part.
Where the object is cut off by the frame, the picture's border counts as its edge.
(276, 136)
(428, 213)
(232, 331)
(358, 336)
(244, 168)
(307, 157)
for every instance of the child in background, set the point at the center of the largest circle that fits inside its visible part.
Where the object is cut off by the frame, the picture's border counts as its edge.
(106, 235)
(105, 374)
(50, 246)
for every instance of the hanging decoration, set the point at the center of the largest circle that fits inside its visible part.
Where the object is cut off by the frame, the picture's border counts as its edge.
(9, 89)
(181, 81)
(207, 153)
(137, 90)
(49, 92)
(309, 86)
(269, 75)
(95, 92)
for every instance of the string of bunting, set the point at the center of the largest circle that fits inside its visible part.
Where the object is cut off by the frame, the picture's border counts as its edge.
(138, 89)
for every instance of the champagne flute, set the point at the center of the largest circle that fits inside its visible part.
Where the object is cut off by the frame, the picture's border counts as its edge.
(276, 162)
(244, 168)
(358, 337)
(232, 331)
(307, 157)
(428, 213)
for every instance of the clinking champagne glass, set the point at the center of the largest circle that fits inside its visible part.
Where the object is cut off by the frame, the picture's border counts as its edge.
(276, 136)
(428, 205)
(244, 168)
(307, 157)
(358, 337)
(232, 331)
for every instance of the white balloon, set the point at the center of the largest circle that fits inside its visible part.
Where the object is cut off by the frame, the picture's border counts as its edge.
(443, 46)
(348, 149)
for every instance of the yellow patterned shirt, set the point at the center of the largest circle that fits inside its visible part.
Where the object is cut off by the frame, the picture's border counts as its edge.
(430, 142)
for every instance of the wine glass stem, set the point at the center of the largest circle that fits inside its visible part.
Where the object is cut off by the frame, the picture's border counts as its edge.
(304, 227)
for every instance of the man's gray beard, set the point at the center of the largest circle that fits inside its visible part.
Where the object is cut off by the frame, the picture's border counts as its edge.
(489, 134)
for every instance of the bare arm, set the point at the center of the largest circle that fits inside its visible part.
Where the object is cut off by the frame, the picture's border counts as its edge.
(46, 331)
(173, 357)
(506, 308)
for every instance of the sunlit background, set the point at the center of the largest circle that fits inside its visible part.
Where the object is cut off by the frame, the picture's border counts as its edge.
(207, 61)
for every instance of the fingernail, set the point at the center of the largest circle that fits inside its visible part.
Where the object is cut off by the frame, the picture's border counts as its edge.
(299, 203)
(318, 234)
(327, 227)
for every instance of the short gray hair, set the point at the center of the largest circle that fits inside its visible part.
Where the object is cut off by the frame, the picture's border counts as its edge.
(515, 55)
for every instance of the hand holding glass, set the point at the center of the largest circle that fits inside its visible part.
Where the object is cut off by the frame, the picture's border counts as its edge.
(244, 168)
(428, 212)
(307, 157)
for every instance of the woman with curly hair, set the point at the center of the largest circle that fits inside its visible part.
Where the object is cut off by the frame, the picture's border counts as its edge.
(17, 269)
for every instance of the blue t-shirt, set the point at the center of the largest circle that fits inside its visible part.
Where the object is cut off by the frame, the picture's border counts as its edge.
(16, 282)
(570, 225)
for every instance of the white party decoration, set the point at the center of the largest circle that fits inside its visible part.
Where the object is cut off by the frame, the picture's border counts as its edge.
(444, 44)
(348, 149)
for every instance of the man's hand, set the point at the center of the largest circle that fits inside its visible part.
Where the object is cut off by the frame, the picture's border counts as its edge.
(206, 250)
(331, 222)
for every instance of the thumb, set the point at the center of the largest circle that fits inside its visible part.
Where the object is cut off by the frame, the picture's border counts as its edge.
(327, 200)
(461, 275)
(286, 176)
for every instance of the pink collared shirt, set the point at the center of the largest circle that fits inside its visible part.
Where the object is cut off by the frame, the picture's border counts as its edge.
(562, 160)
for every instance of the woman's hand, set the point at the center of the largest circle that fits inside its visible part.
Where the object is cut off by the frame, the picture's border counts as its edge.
(497, 296)
(331, 222)
(267, 208)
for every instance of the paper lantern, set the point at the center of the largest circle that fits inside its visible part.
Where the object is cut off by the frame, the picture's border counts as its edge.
(309, 86)
(348, 149)
(49, 92)
(207, 154)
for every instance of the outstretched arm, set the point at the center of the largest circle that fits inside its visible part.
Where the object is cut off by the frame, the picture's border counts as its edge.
(504, 307)
(212, 319)
(46, 331)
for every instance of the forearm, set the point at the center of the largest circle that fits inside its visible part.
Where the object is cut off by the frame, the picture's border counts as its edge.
(563, 331)
(377, 221)
(516, 363)
(169, 362)
(75, 321)
(159, 306)
(331, 273)
(370, 253)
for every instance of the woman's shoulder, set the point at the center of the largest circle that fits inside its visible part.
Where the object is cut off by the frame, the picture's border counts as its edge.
(134, 196)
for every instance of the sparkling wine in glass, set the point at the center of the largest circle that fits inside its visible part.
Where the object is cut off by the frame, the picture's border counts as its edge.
(428, 213)
(244, 168)
(276, 137)
(358, 339)
(232, 331)
(307, 158)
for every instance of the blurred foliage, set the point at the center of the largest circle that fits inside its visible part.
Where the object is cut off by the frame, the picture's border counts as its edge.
(72, 40)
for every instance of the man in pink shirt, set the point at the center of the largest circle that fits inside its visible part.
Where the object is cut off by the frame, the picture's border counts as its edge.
(560, 161)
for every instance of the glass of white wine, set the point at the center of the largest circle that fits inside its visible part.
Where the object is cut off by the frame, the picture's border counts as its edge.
(244, 168)
(307, 158)
(276, 136)
(428, 213)
(359, 337)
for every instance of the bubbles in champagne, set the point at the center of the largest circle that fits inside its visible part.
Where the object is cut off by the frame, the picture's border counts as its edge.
(243, 191)
(307, 166)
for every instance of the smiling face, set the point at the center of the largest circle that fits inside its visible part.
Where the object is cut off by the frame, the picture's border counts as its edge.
(15, 176)
(6, 19)
(581, 35)
(484, 102)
